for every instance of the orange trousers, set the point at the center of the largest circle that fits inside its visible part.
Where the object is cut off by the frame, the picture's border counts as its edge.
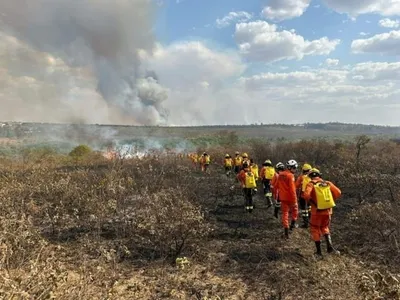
(286, 209)
(319, 225)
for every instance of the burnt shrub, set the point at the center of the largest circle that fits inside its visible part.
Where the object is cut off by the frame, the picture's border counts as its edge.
(167, 222)
(374, 230)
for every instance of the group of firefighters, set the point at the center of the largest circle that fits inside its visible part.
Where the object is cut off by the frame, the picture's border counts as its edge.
(203, 160)
(315, 197)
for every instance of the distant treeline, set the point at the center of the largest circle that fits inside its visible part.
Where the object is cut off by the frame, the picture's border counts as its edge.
(14, 129)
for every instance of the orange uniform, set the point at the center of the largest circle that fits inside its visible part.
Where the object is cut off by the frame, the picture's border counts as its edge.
(286, 186)
(320, 219)
(299, 182)
(242, 176)
(274, 187)
(287, 195)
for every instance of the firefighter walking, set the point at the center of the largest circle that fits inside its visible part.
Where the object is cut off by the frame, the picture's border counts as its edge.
(322, 196)
(267, 174)
(288, 196)
(301, 184)
(228, 163)
(248, 183)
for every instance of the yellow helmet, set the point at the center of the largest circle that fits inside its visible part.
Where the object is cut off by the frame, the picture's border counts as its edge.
(227, 156)
(245, 155)
(267, 163)
(314, 173)
(307, 167)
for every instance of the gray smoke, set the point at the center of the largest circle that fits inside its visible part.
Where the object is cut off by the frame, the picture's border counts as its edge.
(104, 36)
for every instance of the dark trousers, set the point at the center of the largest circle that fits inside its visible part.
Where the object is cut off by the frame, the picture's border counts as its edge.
(248, 198)
(303, 207)
(228, 169)
(237, 169)
(266, 186)
(304, 211)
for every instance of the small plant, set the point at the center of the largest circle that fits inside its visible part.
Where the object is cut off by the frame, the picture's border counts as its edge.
(80, 151)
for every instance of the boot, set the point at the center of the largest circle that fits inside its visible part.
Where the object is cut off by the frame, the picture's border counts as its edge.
(318, 246)
(276, 212)
(305, 222)
(251, 208)
(286, 233)
(293, 225)
(329, 247)
(269, 202)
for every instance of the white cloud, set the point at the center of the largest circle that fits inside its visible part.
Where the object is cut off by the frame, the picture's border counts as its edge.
(203, 91)
(388, 23)
(357, 7)
(233, 17)
(260, 41)
(328, 94)
(197, 77)
(377, 71)
(364, 33)
(280, 10)
(385, 44)
(193, 63)
(331, 62)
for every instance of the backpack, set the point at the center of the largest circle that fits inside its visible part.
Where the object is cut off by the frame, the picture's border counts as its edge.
(324, 195)
(228, 162)
(250, 182)
(269, 173)
(306, 180)
(254, 169)
(238, 161)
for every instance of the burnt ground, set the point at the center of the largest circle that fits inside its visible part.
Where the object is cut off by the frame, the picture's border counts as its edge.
(246, 257)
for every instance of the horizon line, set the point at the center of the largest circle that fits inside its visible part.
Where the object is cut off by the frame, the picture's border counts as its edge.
(200, 126)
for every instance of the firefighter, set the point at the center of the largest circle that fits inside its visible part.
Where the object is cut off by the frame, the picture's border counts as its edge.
(248, 183)
(228, 163)
(205, 161)
(288, 197)
(267, 174)
(279, 168)
(322, 196)
(245, 158)
(301, 184)
(237, 162)
(254, 168)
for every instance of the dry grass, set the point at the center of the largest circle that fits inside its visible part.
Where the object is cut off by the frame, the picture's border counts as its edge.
(98, 229)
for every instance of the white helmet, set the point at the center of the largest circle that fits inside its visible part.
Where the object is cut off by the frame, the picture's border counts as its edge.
(292, 164)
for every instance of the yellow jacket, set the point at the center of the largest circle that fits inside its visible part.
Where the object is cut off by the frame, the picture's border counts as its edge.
(228, 162)
(254, 169)
(238, 160)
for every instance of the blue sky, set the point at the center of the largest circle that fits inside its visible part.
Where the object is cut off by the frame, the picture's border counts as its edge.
(331, 26)
(196, 20)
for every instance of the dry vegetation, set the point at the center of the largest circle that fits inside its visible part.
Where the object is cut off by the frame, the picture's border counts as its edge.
(86, 228)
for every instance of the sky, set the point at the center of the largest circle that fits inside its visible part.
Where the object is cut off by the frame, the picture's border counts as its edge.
(199, 62)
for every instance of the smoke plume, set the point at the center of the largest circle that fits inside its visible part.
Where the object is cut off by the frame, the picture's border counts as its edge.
(101, 39)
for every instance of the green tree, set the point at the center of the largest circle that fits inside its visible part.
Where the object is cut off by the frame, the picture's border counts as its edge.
(80, 151)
